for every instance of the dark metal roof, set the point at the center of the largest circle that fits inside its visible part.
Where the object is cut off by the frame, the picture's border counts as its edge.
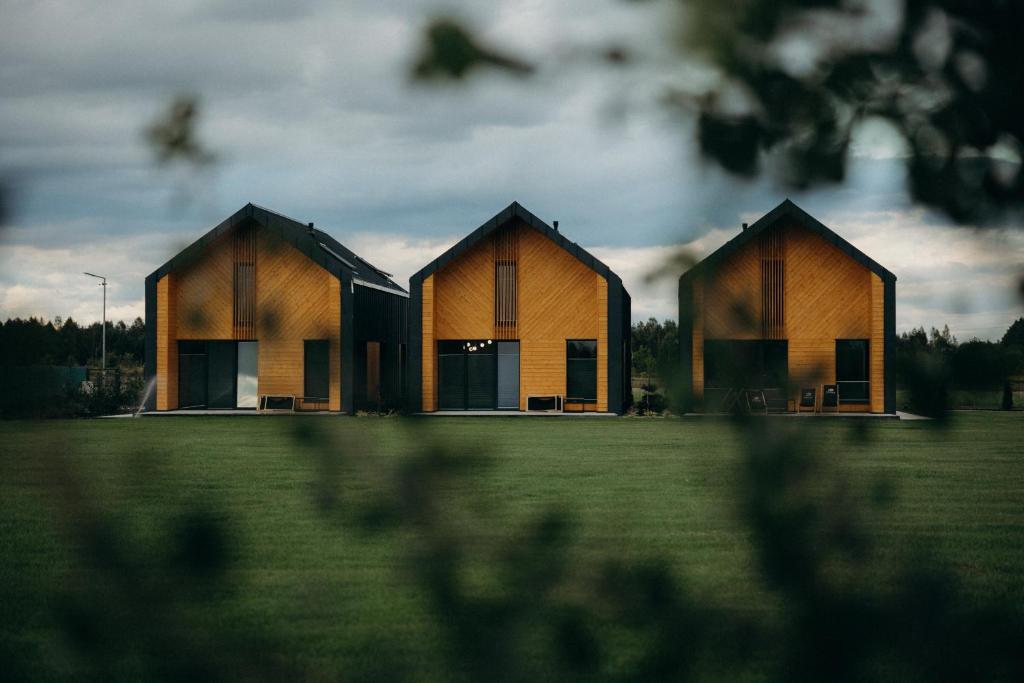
(789, 210)
(316, 244)
(516, 211)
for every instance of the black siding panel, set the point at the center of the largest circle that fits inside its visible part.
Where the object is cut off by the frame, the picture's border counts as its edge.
(414, 372)
(615, 388)
(889, 370)
(380, 316)
(627, 347)
(348, 347)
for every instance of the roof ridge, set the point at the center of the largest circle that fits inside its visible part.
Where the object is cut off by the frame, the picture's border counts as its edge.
(788, 206)
(515, 209)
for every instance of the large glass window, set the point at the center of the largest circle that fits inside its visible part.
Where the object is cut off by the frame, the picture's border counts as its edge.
(581, 370)
(852, 370)
(467, 375)
(746, 363)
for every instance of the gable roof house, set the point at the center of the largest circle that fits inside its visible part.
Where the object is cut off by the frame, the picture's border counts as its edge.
(266, 308)
(518, 317)
(787, 305)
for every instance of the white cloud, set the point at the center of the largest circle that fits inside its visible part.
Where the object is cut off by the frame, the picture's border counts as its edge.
(310, 109)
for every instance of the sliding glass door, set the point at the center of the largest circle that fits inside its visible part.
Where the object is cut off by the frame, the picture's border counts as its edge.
(217, 374)
(477, 375)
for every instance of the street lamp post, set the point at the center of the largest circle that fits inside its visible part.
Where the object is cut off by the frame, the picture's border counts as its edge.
(103, 361)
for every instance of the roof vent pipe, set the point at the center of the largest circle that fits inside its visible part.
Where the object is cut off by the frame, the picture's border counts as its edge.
(555, 224)
(744, 226)
(310, 226)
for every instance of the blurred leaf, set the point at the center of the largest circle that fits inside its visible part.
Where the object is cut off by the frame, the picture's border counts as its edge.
(173, 134)
(450, 51)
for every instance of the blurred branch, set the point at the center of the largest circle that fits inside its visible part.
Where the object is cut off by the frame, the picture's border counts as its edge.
(173, 134)
(796, 78)
(451, 52)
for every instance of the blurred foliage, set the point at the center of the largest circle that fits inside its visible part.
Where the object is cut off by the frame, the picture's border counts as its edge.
(35, 341)
(795, 78)
(125, 612)
(451, 52)
(173, 136)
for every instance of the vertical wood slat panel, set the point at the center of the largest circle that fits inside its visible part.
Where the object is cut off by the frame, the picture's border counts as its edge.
(505, 246)
(770, 248)
(244, 283)
(429, 373)
(166, 344)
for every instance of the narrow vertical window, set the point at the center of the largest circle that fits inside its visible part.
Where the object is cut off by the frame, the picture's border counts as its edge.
(316, 378)
(581, 371)
(852, 370)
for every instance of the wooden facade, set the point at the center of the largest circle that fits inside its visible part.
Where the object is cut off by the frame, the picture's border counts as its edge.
(515, 279)
(790, 279)
(260, 277)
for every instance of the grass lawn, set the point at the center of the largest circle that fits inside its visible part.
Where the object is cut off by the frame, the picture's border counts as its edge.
(636, 489)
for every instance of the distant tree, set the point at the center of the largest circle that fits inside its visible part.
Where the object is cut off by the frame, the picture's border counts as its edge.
(942, 341)
(977, 364)
(655, 347)
(34, 341)
(1015, 334)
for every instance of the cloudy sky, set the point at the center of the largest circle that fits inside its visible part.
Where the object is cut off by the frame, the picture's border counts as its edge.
(310, 111)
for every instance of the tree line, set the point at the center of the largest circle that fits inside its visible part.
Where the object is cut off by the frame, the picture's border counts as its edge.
(973, 364)
(35, 341)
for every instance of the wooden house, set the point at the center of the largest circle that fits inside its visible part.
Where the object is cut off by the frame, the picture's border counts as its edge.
(518, 317)
(787, 306)
(265, 311)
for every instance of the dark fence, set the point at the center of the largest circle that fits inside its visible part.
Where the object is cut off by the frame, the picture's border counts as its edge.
(36, 385)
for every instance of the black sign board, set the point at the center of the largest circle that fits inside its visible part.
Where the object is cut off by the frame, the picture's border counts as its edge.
(546, 403)
(755, 400)
(829, 396)
(277, 403)
(808, 397)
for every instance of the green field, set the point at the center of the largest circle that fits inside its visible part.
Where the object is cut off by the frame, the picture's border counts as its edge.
(329, 594)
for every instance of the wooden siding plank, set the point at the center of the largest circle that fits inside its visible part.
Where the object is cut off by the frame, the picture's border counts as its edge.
(334, 313)
(876, 358)
(293, 303)
(429, 373)
(602, 343)
(166, 344)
